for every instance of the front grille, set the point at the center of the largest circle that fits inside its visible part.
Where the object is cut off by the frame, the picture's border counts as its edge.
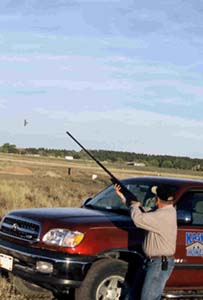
(20, 228)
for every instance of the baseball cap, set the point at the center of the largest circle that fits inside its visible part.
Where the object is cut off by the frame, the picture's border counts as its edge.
(163, 192)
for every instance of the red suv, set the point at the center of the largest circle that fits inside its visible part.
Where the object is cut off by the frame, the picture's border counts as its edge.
(90, 251)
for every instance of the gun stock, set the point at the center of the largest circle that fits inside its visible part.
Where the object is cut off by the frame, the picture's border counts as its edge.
(126, 192)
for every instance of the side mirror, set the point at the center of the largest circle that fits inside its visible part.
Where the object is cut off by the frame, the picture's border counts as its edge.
(84, 203)
(184, 217)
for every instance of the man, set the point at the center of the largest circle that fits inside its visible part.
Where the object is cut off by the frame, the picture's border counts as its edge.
(160, 241)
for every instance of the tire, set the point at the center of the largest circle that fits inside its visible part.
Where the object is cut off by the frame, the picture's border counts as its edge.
(104, 281)
(29, 290)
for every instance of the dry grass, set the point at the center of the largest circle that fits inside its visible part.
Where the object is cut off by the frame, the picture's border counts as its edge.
(7, 291)
(47, 187)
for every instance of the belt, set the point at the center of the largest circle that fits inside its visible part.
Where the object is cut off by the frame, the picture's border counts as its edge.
(160, 257)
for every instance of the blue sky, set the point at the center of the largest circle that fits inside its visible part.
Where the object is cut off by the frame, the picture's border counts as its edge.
(118, 74)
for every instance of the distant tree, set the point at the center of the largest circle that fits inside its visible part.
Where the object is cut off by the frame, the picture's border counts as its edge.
(157, 161)
(31, 151)
(154, 162)
(8, 148)
(167, 164)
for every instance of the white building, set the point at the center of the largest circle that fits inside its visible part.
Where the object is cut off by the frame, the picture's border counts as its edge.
(69, 157)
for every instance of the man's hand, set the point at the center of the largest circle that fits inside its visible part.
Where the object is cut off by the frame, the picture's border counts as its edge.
(117, 188)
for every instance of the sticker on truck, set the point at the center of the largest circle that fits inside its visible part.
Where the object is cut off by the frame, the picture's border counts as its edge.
(194, 243)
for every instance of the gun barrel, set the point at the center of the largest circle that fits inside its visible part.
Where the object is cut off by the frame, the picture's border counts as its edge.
(90, 154)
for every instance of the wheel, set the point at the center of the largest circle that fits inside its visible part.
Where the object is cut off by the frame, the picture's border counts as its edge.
(30, 290)
(104, 281)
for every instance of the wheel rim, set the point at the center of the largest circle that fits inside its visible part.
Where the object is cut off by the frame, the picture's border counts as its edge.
(110, 288)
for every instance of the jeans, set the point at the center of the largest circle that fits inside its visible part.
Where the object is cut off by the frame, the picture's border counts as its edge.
(155, 279)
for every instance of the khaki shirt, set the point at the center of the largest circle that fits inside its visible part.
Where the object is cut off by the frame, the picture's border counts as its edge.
(161, 225)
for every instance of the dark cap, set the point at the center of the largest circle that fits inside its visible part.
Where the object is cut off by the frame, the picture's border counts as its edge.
(164, 192)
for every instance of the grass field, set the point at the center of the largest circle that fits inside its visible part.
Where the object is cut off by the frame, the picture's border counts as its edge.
(50, 182)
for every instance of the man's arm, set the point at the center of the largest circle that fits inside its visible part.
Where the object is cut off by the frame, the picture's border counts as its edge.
(147, 221)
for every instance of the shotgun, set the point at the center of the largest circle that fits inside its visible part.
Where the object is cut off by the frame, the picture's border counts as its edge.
(125, 191)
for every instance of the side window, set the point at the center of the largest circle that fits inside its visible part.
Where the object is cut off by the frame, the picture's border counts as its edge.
(193, 201)
(139, 190)
(108, 199)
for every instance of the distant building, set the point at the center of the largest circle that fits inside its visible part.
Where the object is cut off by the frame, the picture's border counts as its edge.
(136, 164)
(69, 157)
(139, 164)
(33, 155)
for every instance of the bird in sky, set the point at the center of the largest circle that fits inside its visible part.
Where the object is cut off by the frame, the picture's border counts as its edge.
(25, 122)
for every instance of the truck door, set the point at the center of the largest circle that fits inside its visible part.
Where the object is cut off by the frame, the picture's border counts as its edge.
(189, 252)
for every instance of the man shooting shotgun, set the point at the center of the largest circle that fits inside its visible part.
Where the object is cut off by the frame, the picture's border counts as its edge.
(160, 242)
(129, 196)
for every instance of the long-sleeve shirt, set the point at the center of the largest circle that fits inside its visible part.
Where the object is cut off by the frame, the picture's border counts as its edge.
(161, 225)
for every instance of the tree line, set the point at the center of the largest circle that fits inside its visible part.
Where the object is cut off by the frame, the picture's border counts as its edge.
(149, 160)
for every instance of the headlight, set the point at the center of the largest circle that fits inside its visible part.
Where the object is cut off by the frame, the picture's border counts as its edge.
(63, 237)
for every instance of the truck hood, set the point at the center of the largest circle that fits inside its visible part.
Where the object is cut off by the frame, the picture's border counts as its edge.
(66, 215)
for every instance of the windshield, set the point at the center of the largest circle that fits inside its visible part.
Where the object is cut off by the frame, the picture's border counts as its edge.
(109, 200)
